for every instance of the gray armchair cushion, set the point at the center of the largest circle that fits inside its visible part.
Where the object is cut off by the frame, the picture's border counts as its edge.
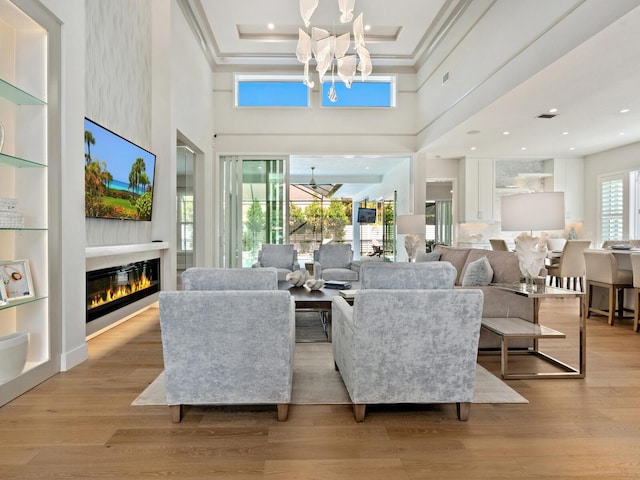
(424, 275)
(408, 346)
(335, 256)
(228, 347)
(334, 262)
(201, 278)
(278, 256)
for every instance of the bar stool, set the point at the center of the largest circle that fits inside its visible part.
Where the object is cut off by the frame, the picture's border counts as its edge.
(602, 271)
(498, 244)
(635, 265)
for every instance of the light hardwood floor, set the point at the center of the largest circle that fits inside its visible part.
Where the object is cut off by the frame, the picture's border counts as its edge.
(81, 425)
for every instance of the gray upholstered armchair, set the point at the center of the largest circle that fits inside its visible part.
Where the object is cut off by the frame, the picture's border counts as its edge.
(282, 257)
(334, 261)
(409, 337)
(228, 347)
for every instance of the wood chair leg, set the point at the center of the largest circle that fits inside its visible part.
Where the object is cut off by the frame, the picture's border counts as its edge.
(359, 411)
(283, 412)
(612, 304)
(621, 302)
(463, 409)
(176, 413)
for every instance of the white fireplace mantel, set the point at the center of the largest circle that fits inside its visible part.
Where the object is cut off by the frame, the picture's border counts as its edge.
(113, 250)
(109, 255)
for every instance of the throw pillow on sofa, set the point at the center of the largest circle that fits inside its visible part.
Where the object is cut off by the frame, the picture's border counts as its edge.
(478, 273)
(427, 257)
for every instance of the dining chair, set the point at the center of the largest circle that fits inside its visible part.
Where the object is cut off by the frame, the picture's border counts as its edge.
(602, 271)
(635, 266)
(498, 244)
(571, 265)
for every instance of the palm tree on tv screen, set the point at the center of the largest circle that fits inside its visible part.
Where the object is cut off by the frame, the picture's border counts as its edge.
(138, 178)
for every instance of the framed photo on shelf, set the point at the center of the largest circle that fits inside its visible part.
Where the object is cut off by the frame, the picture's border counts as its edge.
(16, 280)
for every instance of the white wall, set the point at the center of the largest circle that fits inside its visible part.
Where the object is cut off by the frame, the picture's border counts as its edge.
(192, 100)
(314, 130)
(118, 80)
(523, 47)
(618, 160)
(71, 190)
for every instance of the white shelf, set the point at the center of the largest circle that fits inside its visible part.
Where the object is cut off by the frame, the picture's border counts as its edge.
(113, 250)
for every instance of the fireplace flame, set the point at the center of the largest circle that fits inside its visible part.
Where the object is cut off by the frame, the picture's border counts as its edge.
(111, 294)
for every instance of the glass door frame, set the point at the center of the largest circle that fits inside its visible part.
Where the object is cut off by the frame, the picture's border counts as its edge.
(232, 183)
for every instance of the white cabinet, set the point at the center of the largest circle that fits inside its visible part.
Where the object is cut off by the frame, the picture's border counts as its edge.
(477, 192)
(568, 177)
(25, 176)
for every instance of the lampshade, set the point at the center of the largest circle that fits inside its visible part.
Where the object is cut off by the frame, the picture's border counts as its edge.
(410, 224)
(532, 211)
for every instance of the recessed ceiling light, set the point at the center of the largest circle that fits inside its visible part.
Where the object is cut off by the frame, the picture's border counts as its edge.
(621, 133)
(625, 110)
(523, 148)
(572, 148)
(367, 28)
(506, 133)
(553, 110)
(473, 148)
(271, 26)
(565, 133)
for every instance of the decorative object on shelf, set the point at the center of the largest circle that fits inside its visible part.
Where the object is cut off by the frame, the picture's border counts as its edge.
(411, 226)
(1, 136)
(13, 355)
(10, 217)
(297, 278)
(16, 278)
(313, 284)
(330, 51)
(532, 211)
(3, 295)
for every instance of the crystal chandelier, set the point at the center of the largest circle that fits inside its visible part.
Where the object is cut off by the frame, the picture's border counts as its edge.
(330, 51)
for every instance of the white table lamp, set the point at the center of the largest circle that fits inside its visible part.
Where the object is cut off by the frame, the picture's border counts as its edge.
(532, 211)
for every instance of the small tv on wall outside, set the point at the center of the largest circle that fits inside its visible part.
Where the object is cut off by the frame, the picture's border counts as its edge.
(118, 175)
(366, 215)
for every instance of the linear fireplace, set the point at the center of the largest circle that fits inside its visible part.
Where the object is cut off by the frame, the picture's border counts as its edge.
(109, 289)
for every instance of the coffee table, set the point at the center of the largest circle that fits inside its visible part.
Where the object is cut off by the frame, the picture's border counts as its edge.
(313, 301)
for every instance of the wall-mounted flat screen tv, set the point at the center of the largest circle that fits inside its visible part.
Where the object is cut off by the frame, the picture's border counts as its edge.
(366, 215)
(118, 175)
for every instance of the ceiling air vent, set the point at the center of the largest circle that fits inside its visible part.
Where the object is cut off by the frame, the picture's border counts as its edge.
(547, 115)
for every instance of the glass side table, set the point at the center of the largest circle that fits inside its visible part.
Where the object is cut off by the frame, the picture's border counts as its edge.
(507, 329)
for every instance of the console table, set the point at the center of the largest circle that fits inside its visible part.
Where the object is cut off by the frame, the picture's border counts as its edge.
(508, 328)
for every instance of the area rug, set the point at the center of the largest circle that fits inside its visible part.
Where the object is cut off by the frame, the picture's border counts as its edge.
(316, 382)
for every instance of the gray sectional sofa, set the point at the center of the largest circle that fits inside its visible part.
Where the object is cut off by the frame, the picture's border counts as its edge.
(497, 303)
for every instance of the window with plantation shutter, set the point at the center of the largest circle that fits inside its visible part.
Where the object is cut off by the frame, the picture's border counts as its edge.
(612, 208)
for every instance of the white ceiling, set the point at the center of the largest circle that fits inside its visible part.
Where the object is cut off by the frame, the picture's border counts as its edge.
(589, 85)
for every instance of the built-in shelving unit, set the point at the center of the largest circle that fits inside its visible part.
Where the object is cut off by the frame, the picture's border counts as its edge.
(25, 175)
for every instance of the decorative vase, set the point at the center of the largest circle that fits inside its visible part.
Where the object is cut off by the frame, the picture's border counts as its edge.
(13, 355)
(531, 252)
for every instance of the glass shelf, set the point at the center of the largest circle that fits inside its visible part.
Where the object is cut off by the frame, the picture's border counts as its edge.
(19, 162)
(23, 229)
(22, 301)
(17, 96)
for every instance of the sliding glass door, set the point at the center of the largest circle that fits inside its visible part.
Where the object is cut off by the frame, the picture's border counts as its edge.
(255, 202)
